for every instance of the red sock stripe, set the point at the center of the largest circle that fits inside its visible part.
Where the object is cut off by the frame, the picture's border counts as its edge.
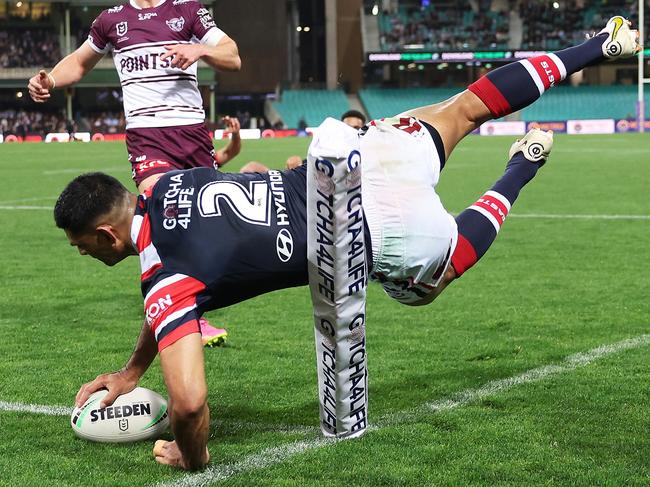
(491, 97)
(547, 70)
(464, 256)
(496, 208)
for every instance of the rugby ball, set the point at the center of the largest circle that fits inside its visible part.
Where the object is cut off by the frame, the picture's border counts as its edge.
(139, 415)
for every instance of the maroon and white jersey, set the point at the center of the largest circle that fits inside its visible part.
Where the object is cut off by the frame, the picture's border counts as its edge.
(155, 94)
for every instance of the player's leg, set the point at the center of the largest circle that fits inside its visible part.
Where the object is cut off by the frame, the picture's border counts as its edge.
(517, 85)
(479, 225)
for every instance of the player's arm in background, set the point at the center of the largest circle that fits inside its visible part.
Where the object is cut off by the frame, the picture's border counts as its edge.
(222, 156)
(67, 72)
(125, 379)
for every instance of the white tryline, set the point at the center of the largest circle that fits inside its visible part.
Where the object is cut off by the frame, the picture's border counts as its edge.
(19, 407)
(275, 455)
(81, 170)
(463, 398)
(228, 427)
(49, 208)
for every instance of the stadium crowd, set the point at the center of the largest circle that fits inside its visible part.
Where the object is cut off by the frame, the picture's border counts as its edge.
(458, 25)
(554, 28)
(25, 122)
(28, 48)
(485, 24)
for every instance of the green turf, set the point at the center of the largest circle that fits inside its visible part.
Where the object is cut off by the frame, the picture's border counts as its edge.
(549, 287)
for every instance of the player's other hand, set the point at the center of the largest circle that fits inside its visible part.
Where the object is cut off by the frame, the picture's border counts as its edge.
(183, 55)
(168, 453)
(117, 383)
(39, 87)
(232, 125)
(294, 162)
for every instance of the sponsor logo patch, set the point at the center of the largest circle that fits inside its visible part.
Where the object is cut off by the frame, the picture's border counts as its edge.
(122, 28)
(147, 16)
(205, 18)
(115, 10)
(176, 24)
(284, 245)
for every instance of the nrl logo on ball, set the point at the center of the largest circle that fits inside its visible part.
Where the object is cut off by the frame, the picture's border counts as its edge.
(176, 24)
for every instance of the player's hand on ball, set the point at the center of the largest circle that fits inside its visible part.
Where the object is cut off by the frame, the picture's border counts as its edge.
(39, 87)
(183, 55)
(117, 383)
(167, 453)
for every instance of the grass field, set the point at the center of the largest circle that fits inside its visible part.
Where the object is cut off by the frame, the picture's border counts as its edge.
(533, 369)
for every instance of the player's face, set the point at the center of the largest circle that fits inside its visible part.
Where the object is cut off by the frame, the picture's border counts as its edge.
(354, 122)
(95, 244)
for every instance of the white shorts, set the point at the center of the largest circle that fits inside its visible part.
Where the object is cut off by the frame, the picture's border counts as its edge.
(412, 234)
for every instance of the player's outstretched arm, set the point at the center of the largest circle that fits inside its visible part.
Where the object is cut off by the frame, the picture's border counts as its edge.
(67, 72)
(125, 379)
(233, 148)
(183, 369)
(224, 56)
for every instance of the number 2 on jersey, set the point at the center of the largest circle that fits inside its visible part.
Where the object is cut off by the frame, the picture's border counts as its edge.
(250, 204)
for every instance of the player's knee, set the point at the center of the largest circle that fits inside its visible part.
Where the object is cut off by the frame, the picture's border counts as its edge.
(190, 404)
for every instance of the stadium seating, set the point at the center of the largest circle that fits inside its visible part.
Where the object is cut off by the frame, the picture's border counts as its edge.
(486, 25)
(585, 102)
(561, 103)
(391, 101)
(454, 25)
(310, 106)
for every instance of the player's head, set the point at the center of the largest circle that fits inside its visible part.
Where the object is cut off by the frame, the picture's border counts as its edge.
(94, 211)
(354, 119)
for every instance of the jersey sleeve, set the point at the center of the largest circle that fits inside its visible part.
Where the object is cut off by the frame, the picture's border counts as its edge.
(204, 27)
(170, 307)
(98, 38)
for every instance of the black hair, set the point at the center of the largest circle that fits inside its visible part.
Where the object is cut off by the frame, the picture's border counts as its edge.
(355, 114)
(85, 199)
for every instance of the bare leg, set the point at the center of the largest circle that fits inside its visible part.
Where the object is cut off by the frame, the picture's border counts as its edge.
(453, 118)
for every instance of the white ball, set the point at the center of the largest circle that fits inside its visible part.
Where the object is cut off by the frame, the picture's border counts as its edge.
(139, 415)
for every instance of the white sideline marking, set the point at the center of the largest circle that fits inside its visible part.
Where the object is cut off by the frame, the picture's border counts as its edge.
(275, 455)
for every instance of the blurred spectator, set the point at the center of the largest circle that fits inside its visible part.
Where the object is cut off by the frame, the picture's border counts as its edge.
(484, 24)
(453, 25)
(31, 47)
(23, 122)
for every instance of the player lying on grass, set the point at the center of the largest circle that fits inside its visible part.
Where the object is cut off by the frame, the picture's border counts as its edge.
(208, 239)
